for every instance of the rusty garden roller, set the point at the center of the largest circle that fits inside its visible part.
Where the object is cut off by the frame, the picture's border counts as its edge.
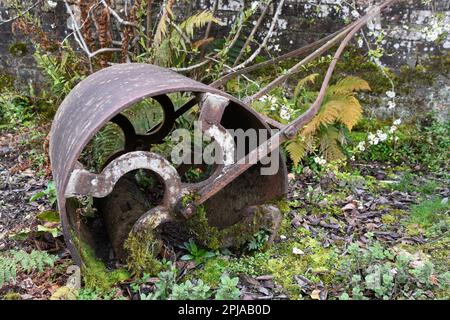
(234, 194)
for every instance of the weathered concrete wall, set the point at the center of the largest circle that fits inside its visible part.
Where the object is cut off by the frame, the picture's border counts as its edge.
(409, 33)
(16, 51)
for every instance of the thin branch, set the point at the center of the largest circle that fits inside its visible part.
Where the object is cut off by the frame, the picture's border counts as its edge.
(253, 32)
(20, 14)
(103, 50)
(77, 34)
(181, 33)
(192, 67)
(116, 15)
(149, 23)
(266, 38)
(208, 27)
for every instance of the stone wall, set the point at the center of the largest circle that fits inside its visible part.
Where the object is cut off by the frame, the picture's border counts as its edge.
(16, 51)
(410, 32)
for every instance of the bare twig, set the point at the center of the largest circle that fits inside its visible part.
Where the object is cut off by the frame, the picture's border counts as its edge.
(117, 16)
(253, 32)
(21, 13)
(103, 50)
(266, 38)
(77, 34)
(208, 28)
(192, 67)
(149, 23)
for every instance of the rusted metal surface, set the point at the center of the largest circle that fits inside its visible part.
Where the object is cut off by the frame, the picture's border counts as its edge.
(231, 193)
(85, 183)
(101, 98)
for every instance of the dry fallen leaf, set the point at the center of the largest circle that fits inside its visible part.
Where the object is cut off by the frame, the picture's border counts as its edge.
(349, 206)
(315, 294)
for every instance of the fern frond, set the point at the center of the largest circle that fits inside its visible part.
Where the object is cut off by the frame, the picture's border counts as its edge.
(328, 114)
(13, 261)
(348, 85)
(302, 82)
(198, 20)
(296, 150)
(351, 112)
(162, 28)
(330, 144)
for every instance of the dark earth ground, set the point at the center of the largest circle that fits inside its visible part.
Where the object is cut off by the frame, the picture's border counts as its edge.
(332, 210)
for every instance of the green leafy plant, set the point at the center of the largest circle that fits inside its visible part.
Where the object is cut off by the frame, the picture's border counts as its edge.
(258, 241)
(13, 261)
(430, 211)
(378, 272)
(190, 291)
(163, 287)
(49, 192)
(195, 253)
(228, 288)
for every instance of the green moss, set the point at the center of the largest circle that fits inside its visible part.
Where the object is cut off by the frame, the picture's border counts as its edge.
(142, 249)
(12, 296)
(398, 212)
(213, 238)
(96, 275)
(212, 271)
(198, 224)
(6, 82)
(413, 229)
(388, 219)
(317, 263)
(18, 49)
(283, 205)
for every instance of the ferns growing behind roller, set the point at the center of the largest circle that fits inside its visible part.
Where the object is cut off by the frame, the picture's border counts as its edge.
(339, 113)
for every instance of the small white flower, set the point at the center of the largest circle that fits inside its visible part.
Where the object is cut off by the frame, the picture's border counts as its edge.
(52, 4)
(392, 129)
(355, 14)
(361, 146)
(390, 94)
(360, 42)
(391, 105)
(382, 136)
(397, 122)
(320, 160)
(283, 237)
(254, 5)
(352, 158)
(297, 251)
(284, 113)
(373, 139)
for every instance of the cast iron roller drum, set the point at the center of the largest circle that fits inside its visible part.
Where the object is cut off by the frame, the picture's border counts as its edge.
(122, 206)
